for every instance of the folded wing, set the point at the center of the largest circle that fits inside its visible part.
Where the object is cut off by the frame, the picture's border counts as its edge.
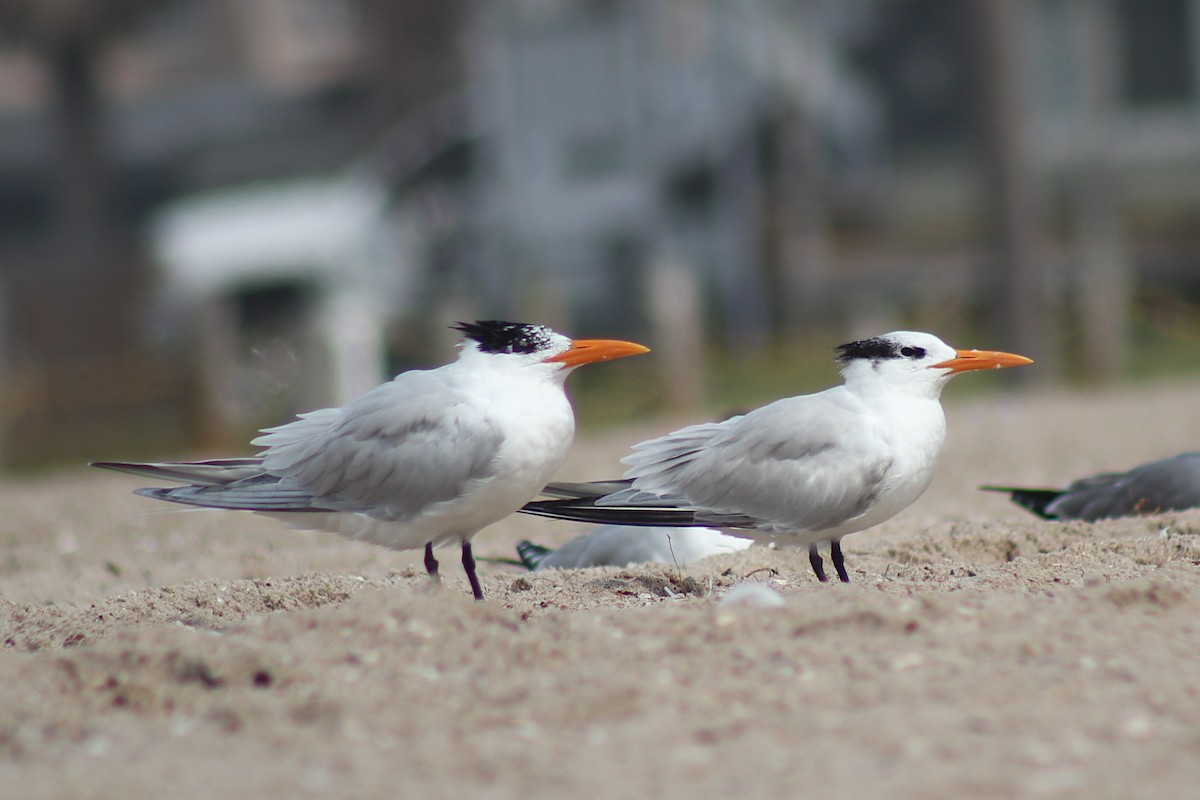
(393, 453)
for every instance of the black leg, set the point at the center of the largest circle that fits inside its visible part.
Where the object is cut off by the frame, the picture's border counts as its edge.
(814, 558)
(469, 566)
(839, 562)
(431, 565)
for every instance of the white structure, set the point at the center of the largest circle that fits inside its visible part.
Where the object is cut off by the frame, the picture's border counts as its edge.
(328, 258)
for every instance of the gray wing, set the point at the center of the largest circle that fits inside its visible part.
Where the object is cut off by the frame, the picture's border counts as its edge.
(803, 463)
(393, 452)
(1170, 484)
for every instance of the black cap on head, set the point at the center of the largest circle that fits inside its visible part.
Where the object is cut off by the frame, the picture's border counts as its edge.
(877, 348)
(497, 336)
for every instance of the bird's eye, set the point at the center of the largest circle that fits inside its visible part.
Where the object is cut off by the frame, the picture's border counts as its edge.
(912, 352)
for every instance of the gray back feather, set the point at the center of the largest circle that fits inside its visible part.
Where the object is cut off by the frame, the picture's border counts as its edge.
(781, 464)
(394, 451)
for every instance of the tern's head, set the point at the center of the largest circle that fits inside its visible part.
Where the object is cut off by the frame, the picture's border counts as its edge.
(518, 343)
(915, 359)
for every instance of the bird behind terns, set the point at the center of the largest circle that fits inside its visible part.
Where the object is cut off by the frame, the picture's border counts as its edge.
(1169, 484)
(622, 546)
(426, 459)
(802, 470)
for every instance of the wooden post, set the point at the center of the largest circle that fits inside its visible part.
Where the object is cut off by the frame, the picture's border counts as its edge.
(1013, 194)
(214, 336)
(804, 238)
(677, 331)
(1104, 287)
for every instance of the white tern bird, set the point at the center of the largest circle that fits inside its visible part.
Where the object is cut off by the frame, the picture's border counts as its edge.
(802, 470)
(1169, 484)
(427, 459)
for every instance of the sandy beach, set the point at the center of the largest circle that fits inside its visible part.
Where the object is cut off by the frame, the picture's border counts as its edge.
(979, 652)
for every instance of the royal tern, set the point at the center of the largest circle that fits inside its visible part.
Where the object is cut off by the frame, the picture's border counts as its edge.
(621, 546)
(802, 470)
(427, 459)
(1170, 484)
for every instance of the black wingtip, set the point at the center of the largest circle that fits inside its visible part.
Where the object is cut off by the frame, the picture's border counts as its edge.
(1034, 500)
(575, 511)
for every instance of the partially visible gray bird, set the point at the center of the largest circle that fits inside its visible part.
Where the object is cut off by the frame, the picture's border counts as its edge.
(1169, 484)
(624, 545)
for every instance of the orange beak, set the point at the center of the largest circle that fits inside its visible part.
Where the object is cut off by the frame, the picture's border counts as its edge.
(587, 351)
(968, 360)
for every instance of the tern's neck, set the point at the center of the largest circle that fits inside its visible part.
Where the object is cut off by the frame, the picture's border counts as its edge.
(508, 366)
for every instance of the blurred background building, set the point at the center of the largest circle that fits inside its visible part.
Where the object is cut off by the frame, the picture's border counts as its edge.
(214, 213)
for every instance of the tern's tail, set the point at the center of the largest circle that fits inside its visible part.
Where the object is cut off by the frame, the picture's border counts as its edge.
(588, 511)
(1035, 500)
(215, 472)
(232, 483)
(617, 503)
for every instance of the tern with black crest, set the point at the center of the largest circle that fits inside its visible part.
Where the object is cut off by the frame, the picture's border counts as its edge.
(427, 459)
(802, 470)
